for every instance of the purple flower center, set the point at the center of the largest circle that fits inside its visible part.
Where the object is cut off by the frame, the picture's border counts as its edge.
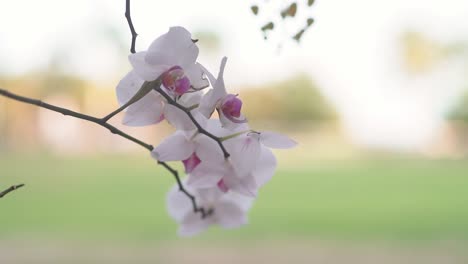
(191, 163)
(175, 80)
(231, 106)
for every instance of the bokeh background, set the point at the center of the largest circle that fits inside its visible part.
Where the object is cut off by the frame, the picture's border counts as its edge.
(375, 92)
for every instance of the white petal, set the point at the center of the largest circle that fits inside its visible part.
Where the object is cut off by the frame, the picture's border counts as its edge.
(160, 58)
(190, 99)
(210, 76)
(242, 201)
(178, 204)
(211, 98)
(265, 168)
(178, 118)
(210, 195)
(195, 74)
(193, 224)
(276, 140)
(228, 124)
(147, 111)
(229, 215)
(208, 150)
(214, 126)
(205, 175)
(219, 90)
(206, 106)
(174, 148)
(177, 45)
(157, 52)
(128, 87)
(245, 152)
(245, 186)
(144, 70)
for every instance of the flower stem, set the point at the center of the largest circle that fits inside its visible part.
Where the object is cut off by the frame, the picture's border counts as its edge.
(9, 190)
(112, 129)
(201, 130)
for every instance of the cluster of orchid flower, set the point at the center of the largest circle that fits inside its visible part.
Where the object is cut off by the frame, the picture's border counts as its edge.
(226, 162)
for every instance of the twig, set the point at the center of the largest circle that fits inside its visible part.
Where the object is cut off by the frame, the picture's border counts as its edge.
(187, 111)
(196, 209)
(130, 24)
(9, 190)
(68, 112)
(102, 122)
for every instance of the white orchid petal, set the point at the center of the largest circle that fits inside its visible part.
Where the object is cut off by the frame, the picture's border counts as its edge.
(206, 106)
(211, 98)
(210, 196)
(214, 126)
(245, 152)
(208, 150)
(245, 186)
(203, 181)
(178, 204)
(195, 74)
(144, 70)
(265, 168)
(206, 175)
(210, 76)
(219, 90)
(178, 46)
(174, 148)
(160, 58)
(276, 140)
(230, 215)
(226, 123)
(178, 118)
(190, 99)
(128, 87)
(147, 111)
(193, 224)
(242, 201)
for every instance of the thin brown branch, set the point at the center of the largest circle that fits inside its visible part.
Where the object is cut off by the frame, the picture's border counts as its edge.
(9, 190)
(102, 122)
(68, 112)
(187, 111)
(128, 16)
(196, 208)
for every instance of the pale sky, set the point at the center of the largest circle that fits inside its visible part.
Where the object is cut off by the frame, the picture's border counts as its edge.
(352, 52)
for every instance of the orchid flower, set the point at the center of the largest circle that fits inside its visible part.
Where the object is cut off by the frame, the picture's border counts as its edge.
(147, 111)
(227, 178)
(225, 186)
(172, 57)
(227, 105)
(229, 210)
(250, 165)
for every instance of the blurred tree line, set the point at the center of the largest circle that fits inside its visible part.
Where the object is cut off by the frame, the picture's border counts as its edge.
(292, 101)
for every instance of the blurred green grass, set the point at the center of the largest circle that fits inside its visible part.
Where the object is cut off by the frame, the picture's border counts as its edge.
(123, 197)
